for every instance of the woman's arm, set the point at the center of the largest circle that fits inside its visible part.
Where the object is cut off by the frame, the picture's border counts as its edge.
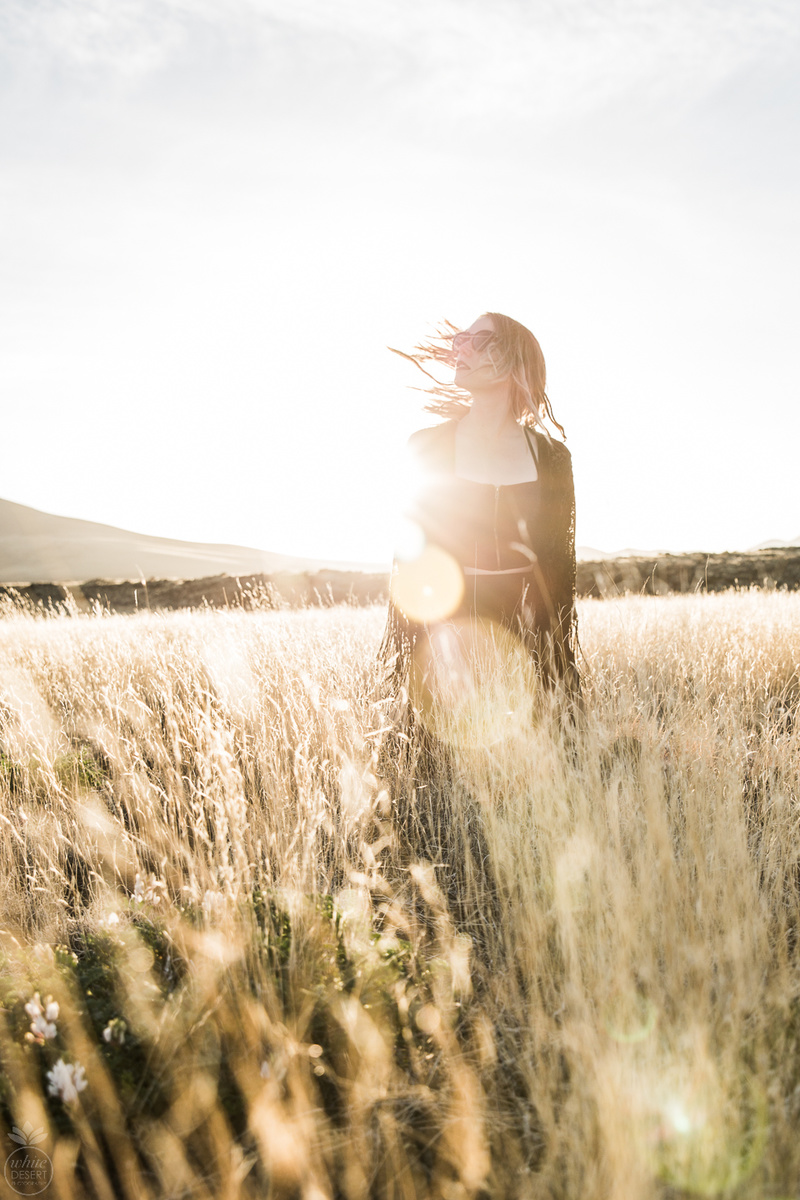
(557, 556)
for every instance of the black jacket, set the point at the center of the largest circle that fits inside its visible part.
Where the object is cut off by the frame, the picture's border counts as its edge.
(550, 538)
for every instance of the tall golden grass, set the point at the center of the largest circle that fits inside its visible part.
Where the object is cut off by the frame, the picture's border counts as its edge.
(301, 948)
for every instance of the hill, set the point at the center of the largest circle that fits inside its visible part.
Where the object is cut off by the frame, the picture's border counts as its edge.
(658, 574)
(46, 559)
(651, 575)
(38, 547)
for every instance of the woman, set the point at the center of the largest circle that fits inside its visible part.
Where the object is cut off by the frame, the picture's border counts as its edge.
(495, 506)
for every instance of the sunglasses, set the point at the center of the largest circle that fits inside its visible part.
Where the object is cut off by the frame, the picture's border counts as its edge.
(479, 340)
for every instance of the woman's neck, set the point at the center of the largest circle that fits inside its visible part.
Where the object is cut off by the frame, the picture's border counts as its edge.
(490, 415)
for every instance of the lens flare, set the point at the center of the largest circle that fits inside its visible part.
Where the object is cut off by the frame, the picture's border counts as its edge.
(629, 1017)
(472, 683)
(710, 1134)
(430, 587)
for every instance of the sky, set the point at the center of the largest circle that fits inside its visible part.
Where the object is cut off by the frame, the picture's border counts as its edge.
(216, 215)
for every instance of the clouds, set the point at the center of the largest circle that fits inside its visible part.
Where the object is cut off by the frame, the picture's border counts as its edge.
(128, 37)
(432, 58)
(604, 85)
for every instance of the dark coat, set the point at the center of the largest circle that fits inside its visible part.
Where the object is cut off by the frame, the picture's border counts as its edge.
(551, 631)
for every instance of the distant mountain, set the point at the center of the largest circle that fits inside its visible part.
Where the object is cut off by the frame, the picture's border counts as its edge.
(775, 544)
(37, 547)
(589, 554)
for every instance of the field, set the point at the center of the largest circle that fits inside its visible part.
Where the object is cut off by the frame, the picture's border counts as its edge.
(262, 938)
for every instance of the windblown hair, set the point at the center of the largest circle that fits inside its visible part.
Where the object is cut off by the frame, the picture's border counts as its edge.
(514, 353)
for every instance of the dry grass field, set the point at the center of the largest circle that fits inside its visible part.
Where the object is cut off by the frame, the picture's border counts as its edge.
(262, 939)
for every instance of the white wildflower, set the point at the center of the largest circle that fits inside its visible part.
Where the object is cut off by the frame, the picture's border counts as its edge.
(115, 1031)
(112, 919)
(275, 1068)
(66, 1080)
(43, 1018)
(152, 892)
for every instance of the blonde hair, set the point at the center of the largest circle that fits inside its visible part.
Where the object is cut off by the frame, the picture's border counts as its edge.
(515, 354)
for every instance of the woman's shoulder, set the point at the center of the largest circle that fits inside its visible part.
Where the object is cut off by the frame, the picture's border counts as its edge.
(553, 452)
(434, 435)
(431, 447)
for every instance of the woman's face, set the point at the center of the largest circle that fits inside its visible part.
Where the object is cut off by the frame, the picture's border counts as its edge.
(472, 349)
